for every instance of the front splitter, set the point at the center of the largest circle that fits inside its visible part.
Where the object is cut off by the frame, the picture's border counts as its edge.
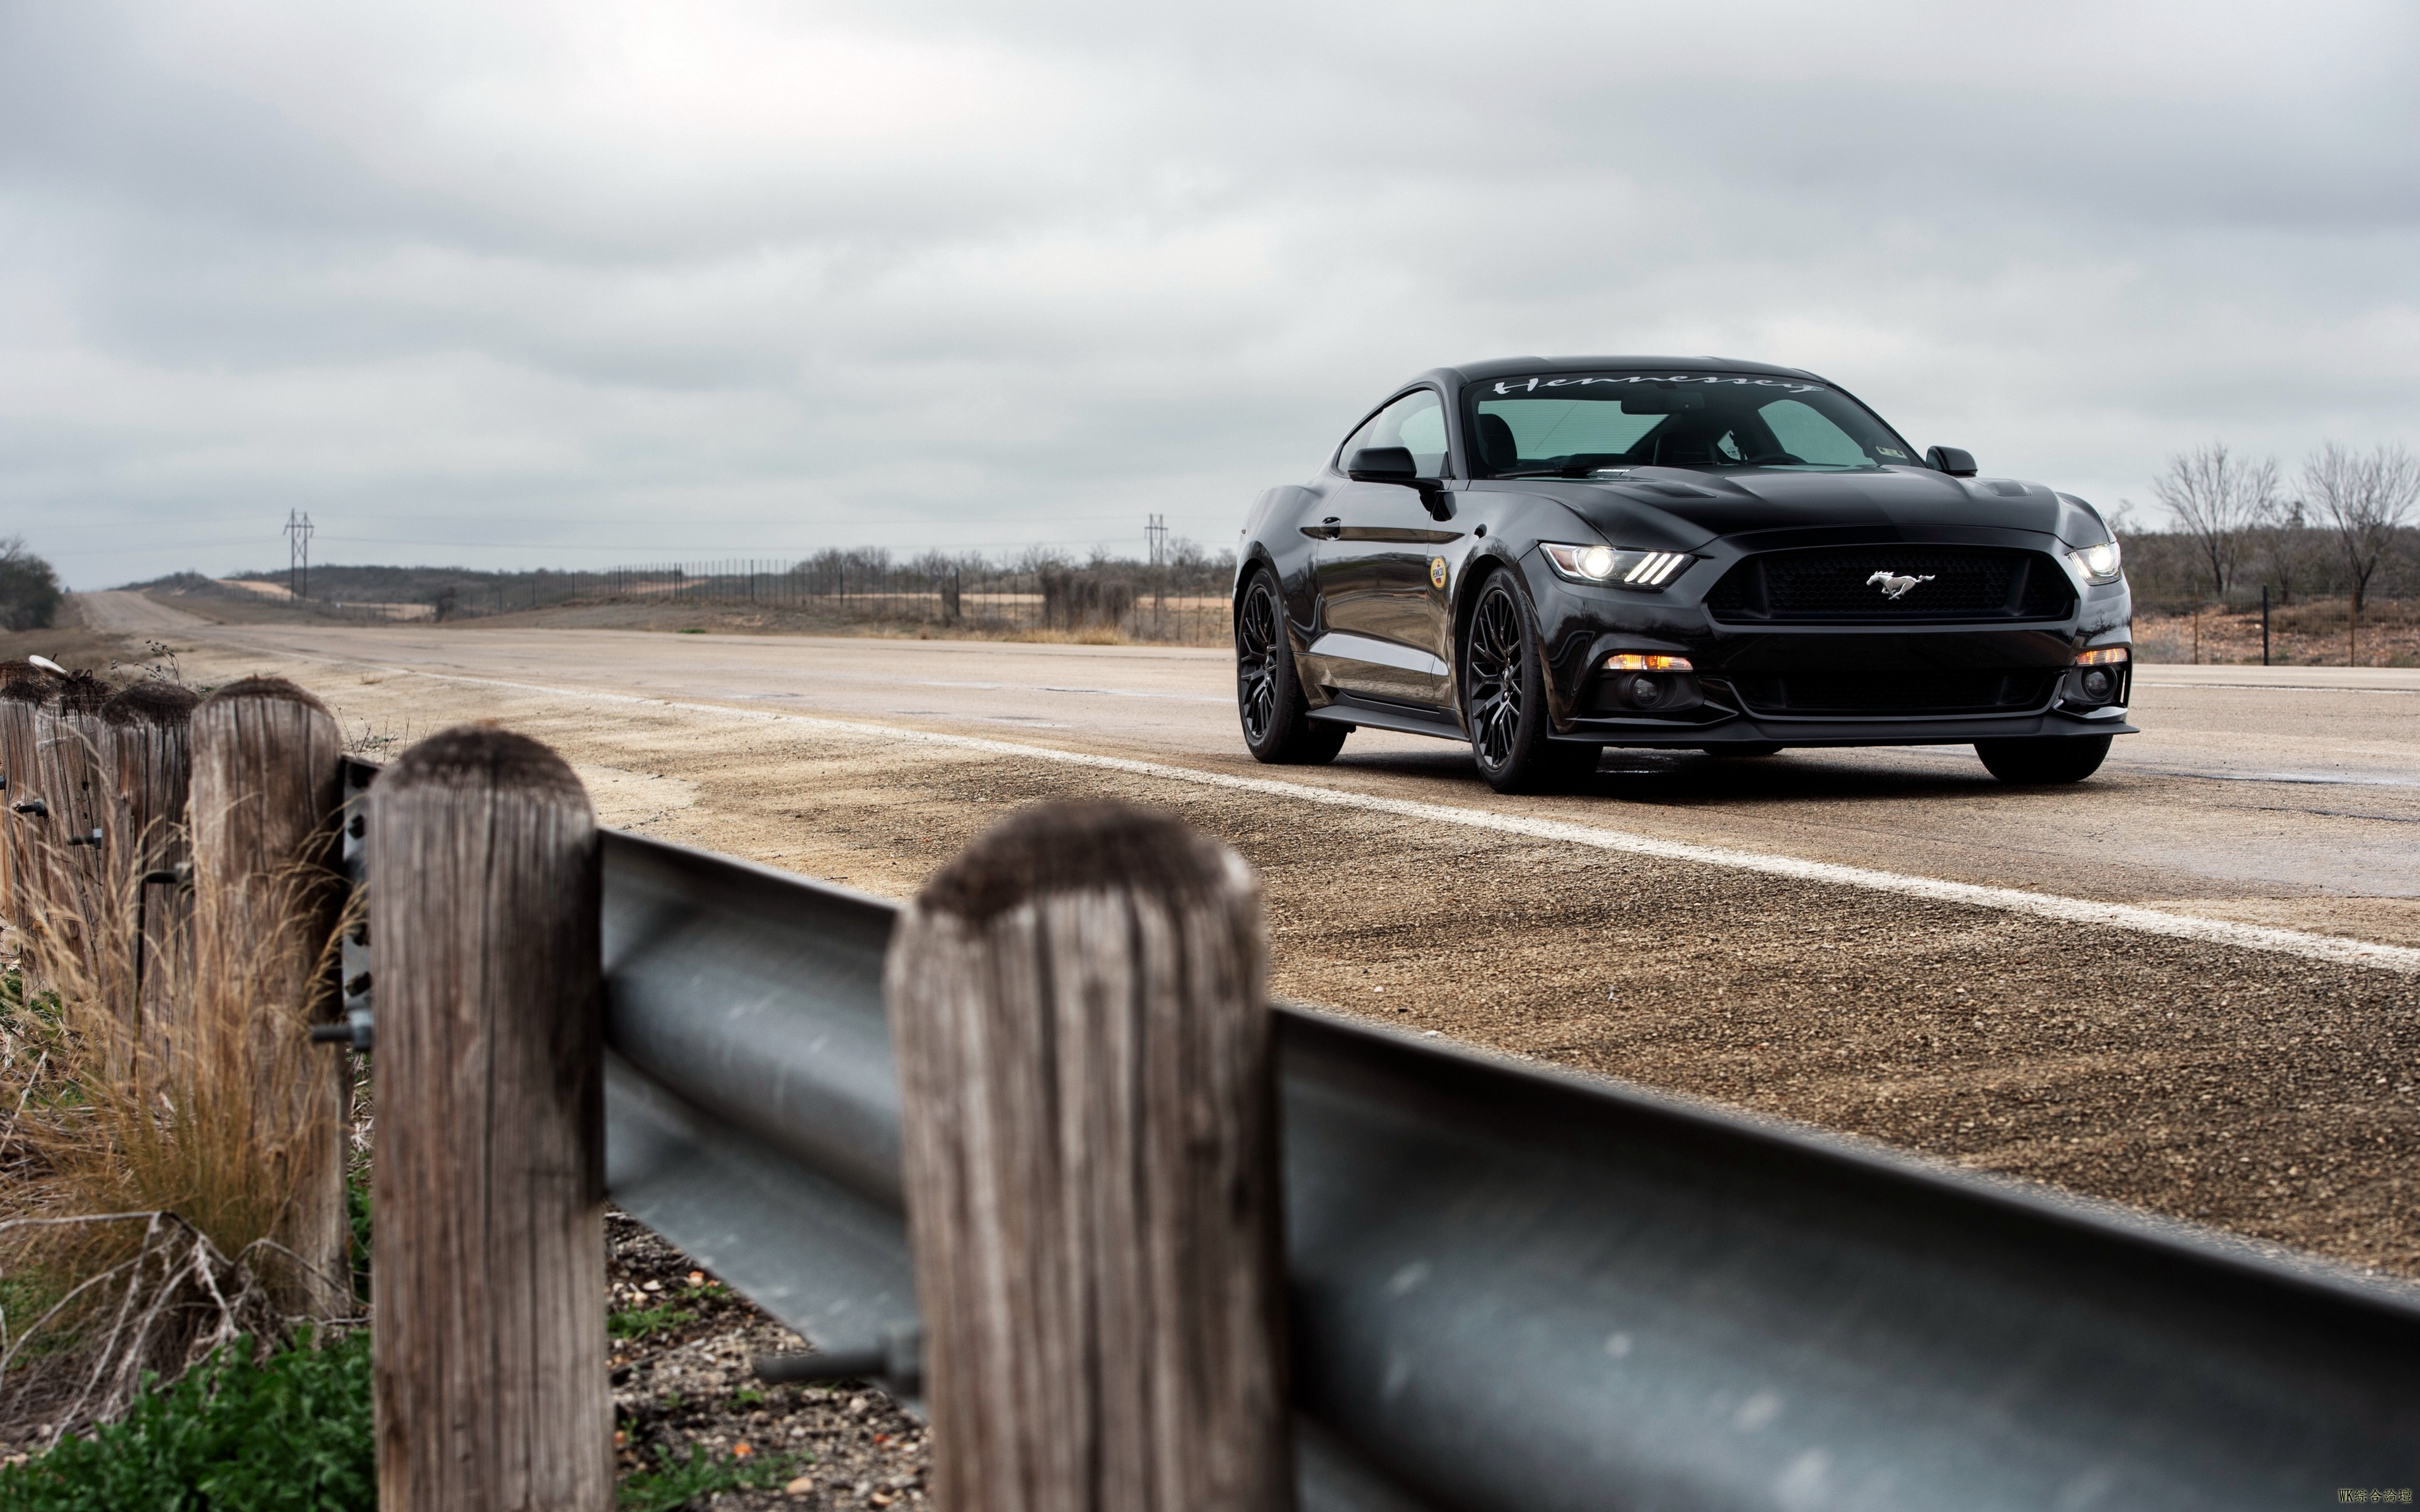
(1750, 729)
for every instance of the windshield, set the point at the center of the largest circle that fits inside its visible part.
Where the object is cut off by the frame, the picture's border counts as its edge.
(1571, 424)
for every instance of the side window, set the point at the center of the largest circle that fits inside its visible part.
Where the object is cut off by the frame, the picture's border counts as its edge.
(1805, 434)
(1416, 422)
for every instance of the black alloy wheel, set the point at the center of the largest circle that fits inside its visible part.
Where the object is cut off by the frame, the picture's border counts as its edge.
(2042, 760)
(1278, 726)
(1504, 698)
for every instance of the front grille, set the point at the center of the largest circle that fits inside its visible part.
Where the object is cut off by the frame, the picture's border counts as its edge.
(1837, 584)
(1889, 692)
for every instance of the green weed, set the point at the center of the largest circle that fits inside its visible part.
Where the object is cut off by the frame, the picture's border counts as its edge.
(357, 1210)
(646, 1322)
(675, 1481)
(291, 1434)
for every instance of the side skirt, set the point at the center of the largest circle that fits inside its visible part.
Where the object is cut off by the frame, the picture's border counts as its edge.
(1372, 713)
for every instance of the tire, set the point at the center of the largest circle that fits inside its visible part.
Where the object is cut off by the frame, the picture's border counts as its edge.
(2045, 759)
(1504, 698)
(1745, 748)
(1278, 726)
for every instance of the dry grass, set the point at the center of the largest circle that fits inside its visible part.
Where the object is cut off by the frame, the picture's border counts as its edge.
(2309, 634)
(147, 1164)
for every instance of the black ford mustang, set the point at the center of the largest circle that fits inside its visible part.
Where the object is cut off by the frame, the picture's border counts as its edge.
(1547, 556)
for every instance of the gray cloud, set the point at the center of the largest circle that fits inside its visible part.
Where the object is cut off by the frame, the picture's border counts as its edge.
(557, 284)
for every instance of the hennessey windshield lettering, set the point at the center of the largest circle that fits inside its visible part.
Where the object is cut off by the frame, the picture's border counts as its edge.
(1532, 385)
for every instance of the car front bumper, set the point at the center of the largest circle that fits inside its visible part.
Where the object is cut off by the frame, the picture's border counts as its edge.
(1826, 684)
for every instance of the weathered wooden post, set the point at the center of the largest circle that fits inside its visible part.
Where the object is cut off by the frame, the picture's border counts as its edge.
(148, 761)
(67, 755)
(489, 1180)
(23, 690)
(267, 785)
(1091, 1163)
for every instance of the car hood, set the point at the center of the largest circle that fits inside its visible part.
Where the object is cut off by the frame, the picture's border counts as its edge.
(1707, 504)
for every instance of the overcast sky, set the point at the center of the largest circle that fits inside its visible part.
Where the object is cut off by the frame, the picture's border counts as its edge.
(576, 284)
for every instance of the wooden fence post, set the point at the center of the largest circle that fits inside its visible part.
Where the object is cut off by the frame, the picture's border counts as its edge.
(23, 690)
(488, 1177)
(148, 761)
(1091, 1163)
(67, 742)
(266, 783)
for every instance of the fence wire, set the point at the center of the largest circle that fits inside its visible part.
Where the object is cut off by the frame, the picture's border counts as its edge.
(1183, 603)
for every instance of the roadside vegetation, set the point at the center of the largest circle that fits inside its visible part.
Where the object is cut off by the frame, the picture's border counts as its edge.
(144, 1182)
(2334, 546)
(1176, 596)
(29, 590)
(287, 1429)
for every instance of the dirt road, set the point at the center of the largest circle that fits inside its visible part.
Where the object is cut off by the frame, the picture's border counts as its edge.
(2068, 985)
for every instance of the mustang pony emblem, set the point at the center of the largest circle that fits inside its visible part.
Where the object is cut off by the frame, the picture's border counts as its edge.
(1894, 585)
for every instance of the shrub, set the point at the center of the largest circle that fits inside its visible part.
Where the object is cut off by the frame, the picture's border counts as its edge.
(29, 590)
(291, 1433)
(148, 1183)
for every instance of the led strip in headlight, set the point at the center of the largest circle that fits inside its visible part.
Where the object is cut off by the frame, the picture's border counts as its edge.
(1603, 564)
(2098, 564)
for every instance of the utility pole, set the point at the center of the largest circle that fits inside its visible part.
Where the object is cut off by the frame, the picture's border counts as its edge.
(298, 555)
(1156, 533)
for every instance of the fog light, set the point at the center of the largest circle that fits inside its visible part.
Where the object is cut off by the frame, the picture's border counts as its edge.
(1646, 692)
(2098, 686)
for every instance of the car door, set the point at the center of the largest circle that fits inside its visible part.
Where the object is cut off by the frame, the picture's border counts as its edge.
(1385, 619)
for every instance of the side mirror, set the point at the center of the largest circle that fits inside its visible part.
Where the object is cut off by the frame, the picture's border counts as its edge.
(1383, 463)
(1951, 460)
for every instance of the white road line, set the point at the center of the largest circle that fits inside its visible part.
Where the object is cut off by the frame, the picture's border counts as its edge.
(2329, 947)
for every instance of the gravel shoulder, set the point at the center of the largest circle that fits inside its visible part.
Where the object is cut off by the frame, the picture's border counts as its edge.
(684, 1387)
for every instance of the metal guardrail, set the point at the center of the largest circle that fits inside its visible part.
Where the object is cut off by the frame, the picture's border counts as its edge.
(1514, 1288)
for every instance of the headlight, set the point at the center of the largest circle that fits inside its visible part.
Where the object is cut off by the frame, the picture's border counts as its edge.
(1626, 569)
(2097, 563)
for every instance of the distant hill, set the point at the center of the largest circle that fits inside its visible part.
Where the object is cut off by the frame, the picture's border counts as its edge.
(361, 586)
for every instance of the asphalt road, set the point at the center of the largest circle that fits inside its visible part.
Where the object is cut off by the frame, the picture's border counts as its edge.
(2286, 797)
(2090, 986)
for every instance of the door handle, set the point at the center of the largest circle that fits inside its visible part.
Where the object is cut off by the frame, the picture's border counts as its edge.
(1328, 529)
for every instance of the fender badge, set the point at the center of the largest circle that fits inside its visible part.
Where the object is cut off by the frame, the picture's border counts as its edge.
(1436, 572)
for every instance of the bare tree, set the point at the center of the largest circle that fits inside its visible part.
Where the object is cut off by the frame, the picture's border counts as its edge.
(2290, 547)
(2218, 498)
(2367, 499)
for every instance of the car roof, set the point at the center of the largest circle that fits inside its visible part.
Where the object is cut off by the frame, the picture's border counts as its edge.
(1504, 367)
